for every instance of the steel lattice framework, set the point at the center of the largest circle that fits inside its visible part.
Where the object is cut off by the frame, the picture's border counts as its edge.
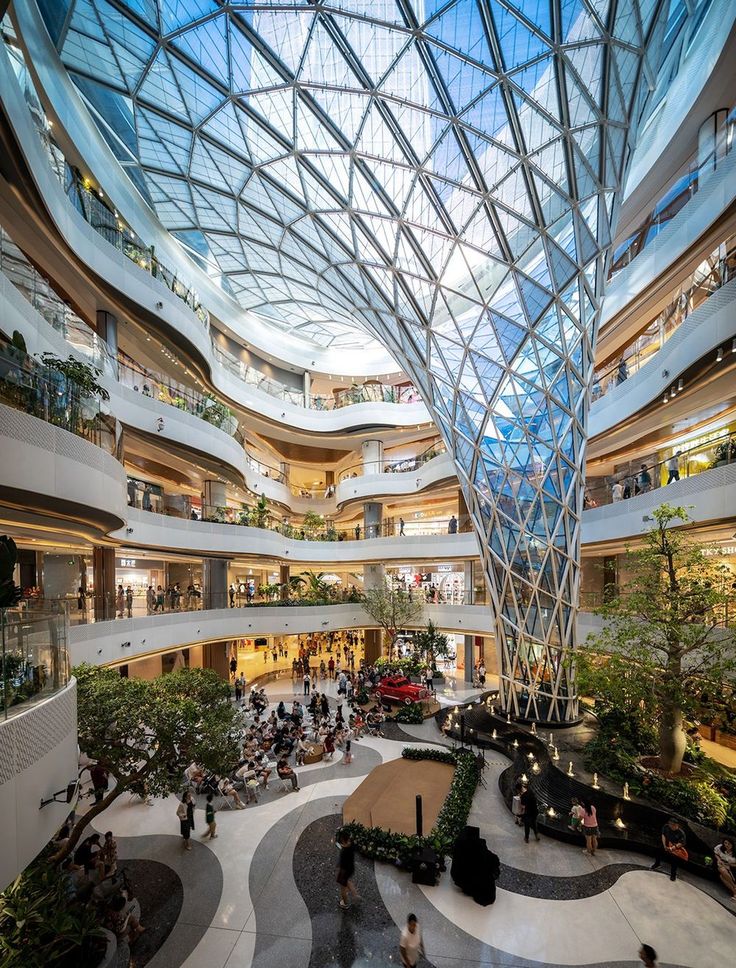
(442, 175)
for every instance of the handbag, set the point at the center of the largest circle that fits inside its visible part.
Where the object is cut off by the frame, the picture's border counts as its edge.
(679, 850)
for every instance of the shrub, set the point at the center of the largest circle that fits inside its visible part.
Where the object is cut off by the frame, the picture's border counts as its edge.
(698, 801)
(410, 714)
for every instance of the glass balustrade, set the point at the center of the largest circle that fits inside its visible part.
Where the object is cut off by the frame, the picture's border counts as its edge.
(709, 276)
(34, 658)
(640, 477)
(46, 393)
(389, 465)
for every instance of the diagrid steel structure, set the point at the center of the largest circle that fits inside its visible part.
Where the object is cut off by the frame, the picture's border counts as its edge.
(443, 176)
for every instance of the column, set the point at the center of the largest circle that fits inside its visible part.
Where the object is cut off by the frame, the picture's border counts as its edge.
(213, 496)
(284, 580)
(107, 329)
(373, 645)
(372, 451)
(469, 661)
(372, 519)
(214, 656)
(469, 591)
(214, 583)
(103, 564)
(464, 522)
(307, 388)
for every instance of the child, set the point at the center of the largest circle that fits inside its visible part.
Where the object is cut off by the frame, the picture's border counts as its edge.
(348, 756)
(517, 808)
(209, 818)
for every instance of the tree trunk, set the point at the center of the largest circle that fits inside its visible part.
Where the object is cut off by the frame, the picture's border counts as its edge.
(672, 740)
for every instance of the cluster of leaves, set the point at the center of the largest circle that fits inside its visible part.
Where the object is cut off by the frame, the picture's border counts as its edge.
(392, 610)
(146, 732)
(622, 737)
(40, 926)
(431, 644)
(81, 374)
(696, 800)
(409, 665)
(215, 412)
(410, 714)
(384, 845)
(665, 637)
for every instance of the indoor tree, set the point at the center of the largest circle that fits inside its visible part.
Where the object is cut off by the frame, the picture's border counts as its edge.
(146, 732)
(392, 610)
(665, 632)
(431, 644)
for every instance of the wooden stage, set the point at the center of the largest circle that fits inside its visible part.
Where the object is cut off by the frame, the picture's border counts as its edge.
(387, 796)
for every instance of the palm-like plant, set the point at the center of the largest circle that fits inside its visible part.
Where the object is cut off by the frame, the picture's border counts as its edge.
(317, 588)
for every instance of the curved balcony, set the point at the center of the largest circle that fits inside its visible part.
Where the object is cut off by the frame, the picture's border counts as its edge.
(702, 332)
(152, 530)
(709, 497)
(124, 639)
(38, 733)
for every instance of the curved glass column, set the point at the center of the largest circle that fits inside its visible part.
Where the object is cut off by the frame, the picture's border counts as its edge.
(441, 175)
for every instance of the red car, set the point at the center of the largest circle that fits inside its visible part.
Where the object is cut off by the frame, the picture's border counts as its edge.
(399, 689)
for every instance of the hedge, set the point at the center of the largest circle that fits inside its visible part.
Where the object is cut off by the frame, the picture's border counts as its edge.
(385, 845)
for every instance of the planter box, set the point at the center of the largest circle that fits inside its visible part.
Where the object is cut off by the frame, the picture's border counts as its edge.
(715, 735)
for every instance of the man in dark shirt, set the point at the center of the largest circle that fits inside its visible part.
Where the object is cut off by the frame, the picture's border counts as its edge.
(99, 776)
(346, 869)
(673, 847)
(531, 809)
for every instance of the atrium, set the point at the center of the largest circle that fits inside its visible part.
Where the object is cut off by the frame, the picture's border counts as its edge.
(368, 468)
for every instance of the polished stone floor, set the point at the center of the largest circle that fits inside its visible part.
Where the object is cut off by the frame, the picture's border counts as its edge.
(263, 895)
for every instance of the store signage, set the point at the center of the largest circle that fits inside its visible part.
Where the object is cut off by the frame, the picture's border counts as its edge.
(127, 562)
(446, 566)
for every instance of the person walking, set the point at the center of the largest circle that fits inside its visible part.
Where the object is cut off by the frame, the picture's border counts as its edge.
(617, 492)
(185, 813)
(673, 468)
(331, 667)
(231, 594)
(673, 847)
(120, 601)
(531, 809)
(401, 527)
(590, 828)
(411, 945)
(482, 674)
(100, 777)
(209, 819)
(452, 525)
(346, 869)
(307, 683)
(644, 480)
(150, 600)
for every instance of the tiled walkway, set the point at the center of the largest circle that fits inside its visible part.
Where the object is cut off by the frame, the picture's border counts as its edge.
(263, 894)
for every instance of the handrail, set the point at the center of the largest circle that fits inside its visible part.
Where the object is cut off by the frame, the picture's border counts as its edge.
(40, 293)
(644, 478)
(402, 466)
(252, 516)
(711, 275)
(678, 193)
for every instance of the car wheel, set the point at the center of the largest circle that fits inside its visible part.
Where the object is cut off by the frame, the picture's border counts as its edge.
(408, 701)
(379, 696)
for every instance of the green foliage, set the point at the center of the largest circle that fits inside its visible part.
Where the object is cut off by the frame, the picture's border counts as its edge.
(147, 732)
(431, 644)
(385, 845)
(664, 633)
(315, 586)
(215, 413)
(10, 593)
(40, 926)
(259, 513)
(407, 665)
(413, 713)
(392, 610)
(698, 801)
(312, 524)
(81, 374)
